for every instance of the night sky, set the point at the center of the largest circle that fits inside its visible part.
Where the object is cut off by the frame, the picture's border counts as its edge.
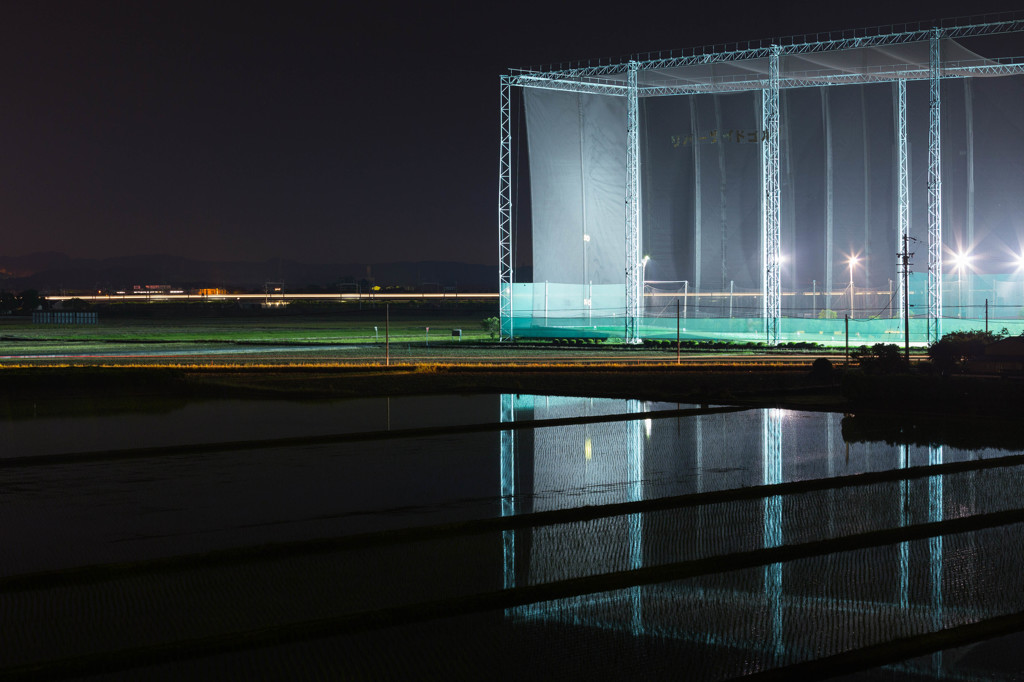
(319, 132)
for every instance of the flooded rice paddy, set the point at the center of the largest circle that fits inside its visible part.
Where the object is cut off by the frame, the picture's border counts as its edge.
(499, 536)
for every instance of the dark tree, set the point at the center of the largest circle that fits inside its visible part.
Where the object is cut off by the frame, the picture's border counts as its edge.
(30, 300)
(8, 302)
(821, 370)
(954, 349)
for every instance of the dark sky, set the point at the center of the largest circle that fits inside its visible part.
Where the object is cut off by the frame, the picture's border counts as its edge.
(320, 132)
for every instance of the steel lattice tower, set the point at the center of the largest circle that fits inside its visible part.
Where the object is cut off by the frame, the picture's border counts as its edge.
(902, 188)
(634, 285)
(934, 189)
(506, 265)
(771, 227)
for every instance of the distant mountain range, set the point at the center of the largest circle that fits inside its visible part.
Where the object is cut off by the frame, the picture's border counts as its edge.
(53, 272)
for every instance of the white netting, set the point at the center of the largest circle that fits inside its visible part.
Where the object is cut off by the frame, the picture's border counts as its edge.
(701, 190)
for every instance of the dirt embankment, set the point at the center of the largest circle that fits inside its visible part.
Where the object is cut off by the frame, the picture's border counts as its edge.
(797, 388)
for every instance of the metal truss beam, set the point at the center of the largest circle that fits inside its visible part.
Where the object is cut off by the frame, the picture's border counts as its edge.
(935, 189)
(590, 87)
(819, 79)
(1013, 67)
(634, 285)
(505, 264)
(771, 227)
(808, 79)
(843, 40)
(597, 81)
(902, 189)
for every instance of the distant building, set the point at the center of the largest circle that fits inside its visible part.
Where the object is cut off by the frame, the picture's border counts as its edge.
(156, 289)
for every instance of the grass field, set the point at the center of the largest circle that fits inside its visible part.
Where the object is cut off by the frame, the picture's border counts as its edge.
(156, 336)
(18, 333)
(323, 356)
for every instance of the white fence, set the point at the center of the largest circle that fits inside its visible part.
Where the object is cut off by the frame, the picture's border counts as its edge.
(61, 317)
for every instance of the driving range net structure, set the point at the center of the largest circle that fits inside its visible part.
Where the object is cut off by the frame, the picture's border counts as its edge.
(770, 191)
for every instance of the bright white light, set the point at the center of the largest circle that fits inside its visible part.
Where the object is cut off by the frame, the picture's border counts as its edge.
(852, 260)
(961, 260)
(1020, 261)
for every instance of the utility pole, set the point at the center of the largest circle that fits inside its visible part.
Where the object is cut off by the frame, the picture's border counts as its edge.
(905, 260)
(846, 323)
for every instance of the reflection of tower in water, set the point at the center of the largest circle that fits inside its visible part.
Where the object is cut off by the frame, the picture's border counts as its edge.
(935, 513)
(507, 459)
(858, 595)
(771, 464)
(635, 444)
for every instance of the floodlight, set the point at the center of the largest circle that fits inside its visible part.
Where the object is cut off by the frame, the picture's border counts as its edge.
(961, 260)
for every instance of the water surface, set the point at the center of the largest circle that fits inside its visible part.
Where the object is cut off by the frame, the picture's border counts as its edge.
(206, 527)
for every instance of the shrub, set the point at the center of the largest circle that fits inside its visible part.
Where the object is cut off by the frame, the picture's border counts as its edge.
(884, 358)
(821, 370)
(491, 325)
(955, 348)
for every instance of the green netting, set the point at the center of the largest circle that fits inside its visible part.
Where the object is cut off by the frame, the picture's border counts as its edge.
(745, 330)
(558, 310)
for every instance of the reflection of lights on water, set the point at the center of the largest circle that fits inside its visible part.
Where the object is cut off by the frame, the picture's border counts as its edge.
(647, 427)
(587, 448)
